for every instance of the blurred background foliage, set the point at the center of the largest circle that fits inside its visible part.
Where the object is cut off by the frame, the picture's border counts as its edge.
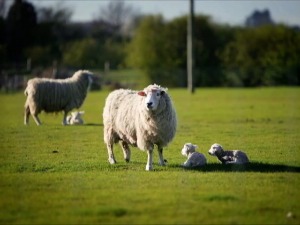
(122, 39)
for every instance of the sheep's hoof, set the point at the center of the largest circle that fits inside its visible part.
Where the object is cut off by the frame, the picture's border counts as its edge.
(149, 168)
(162, 163)
(112, 161)
(127, 160)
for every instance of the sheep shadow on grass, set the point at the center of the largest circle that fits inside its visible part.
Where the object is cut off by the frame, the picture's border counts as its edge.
(94, 124)
(249, 167)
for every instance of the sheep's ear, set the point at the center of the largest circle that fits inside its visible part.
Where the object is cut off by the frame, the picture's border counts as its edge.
(81, 112)
(162, 93)
(142, 93)
(196, 146)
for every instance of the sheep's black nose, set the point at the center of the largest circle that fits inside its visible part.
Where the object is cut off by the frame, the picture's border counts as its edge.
(149, 104)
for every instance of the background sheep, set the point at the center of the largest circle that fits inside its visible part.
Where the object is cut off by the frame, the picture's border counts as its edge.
(228, 157)
(194, 159)
(56, 95)
(139, 118)
(75, 118)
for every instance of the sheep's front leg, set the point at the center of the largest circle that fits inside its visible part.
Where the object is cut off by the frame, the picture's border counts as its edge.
(161, 157)
(149, 165)
(64, 122)
(187, 163)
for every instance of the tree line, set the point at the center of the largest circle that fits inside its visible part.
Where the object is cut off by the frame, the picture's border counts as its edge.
(224, 55)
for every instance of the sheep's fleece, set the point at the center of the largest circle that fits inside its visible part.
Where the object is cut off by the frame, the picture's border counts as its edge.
(55, 95)
(139, 118)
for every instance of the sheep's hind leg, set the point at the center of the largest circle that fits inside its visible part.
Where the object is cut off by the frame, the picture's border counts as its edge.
(36, 119)
(111, 156)
(126, 150)
(26, 115)
(161, 157)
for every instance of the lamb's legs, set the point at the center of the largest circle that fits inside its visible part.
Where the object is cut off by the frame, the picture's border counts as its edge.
(161, 157)
(26, 115)
(111, 157)
(126, 150)
(149, 165)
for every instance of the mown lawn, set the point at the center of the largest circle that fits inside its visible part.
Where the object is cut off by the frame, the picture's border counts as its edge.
(60, 175)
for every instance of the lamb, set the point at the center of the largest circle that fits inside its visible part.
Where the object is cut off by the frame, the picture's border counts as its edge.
(57, 95)
(141, 119)
(75, 118)
(228, 157)
(194, 158)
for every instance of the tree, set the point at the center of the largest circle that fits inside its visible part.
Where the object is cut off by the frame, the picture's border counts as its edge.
(121, 16)
(2, 8)
(2, 24)
(147, 50)
(89, 53)
(53, 31)
(159, 48)
(20, 23)
(267, 55)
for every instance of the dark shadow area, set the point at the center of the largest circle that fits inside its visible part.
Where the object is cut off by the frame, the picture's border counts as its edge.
(250, 167)
(94, 124)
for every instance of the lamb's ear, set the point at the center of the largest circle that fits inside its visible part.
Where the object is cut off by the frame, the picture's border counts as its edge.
(196, 146)
(81, 112)
(162, 93)
(142, 93)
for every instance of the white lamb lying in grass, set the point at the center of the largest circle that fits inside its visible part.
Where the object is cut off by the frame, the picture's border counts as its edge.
(75, 118)
(195, 159)
(229, 156)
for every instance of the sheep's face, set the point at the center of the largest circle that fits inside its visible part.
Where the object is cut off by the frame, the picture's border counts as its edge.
(188, 148)
(152, 98)
(215, 149)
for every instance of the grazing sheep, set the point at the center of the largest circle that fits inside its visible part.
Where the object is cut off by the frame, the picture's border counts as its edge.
(194, 159)
(75, 118)
(139, 118)
(228, 157)
(57, 95)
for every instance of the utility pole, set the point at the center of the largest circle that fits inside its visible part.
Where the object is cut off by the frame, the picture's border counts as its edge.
(190, 51)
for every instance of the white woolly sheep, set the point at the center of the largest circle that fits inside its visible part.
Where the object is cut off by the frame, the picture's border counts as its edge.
(141, 119)
(194, 158)
(55, 95)
(229, 156)
(75, 118)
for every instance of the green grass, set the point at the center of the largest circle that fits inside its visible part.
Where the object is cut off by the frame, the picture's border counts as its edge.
(60, 175)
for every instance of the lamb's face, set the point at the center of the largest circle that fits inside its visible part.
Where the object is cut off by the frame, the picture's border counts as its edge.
(188, 148)
(215, 149)
(152, 98)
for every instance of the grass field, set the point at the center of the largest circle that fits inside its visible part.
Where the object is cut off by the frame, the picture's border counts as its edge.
(60, 175)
